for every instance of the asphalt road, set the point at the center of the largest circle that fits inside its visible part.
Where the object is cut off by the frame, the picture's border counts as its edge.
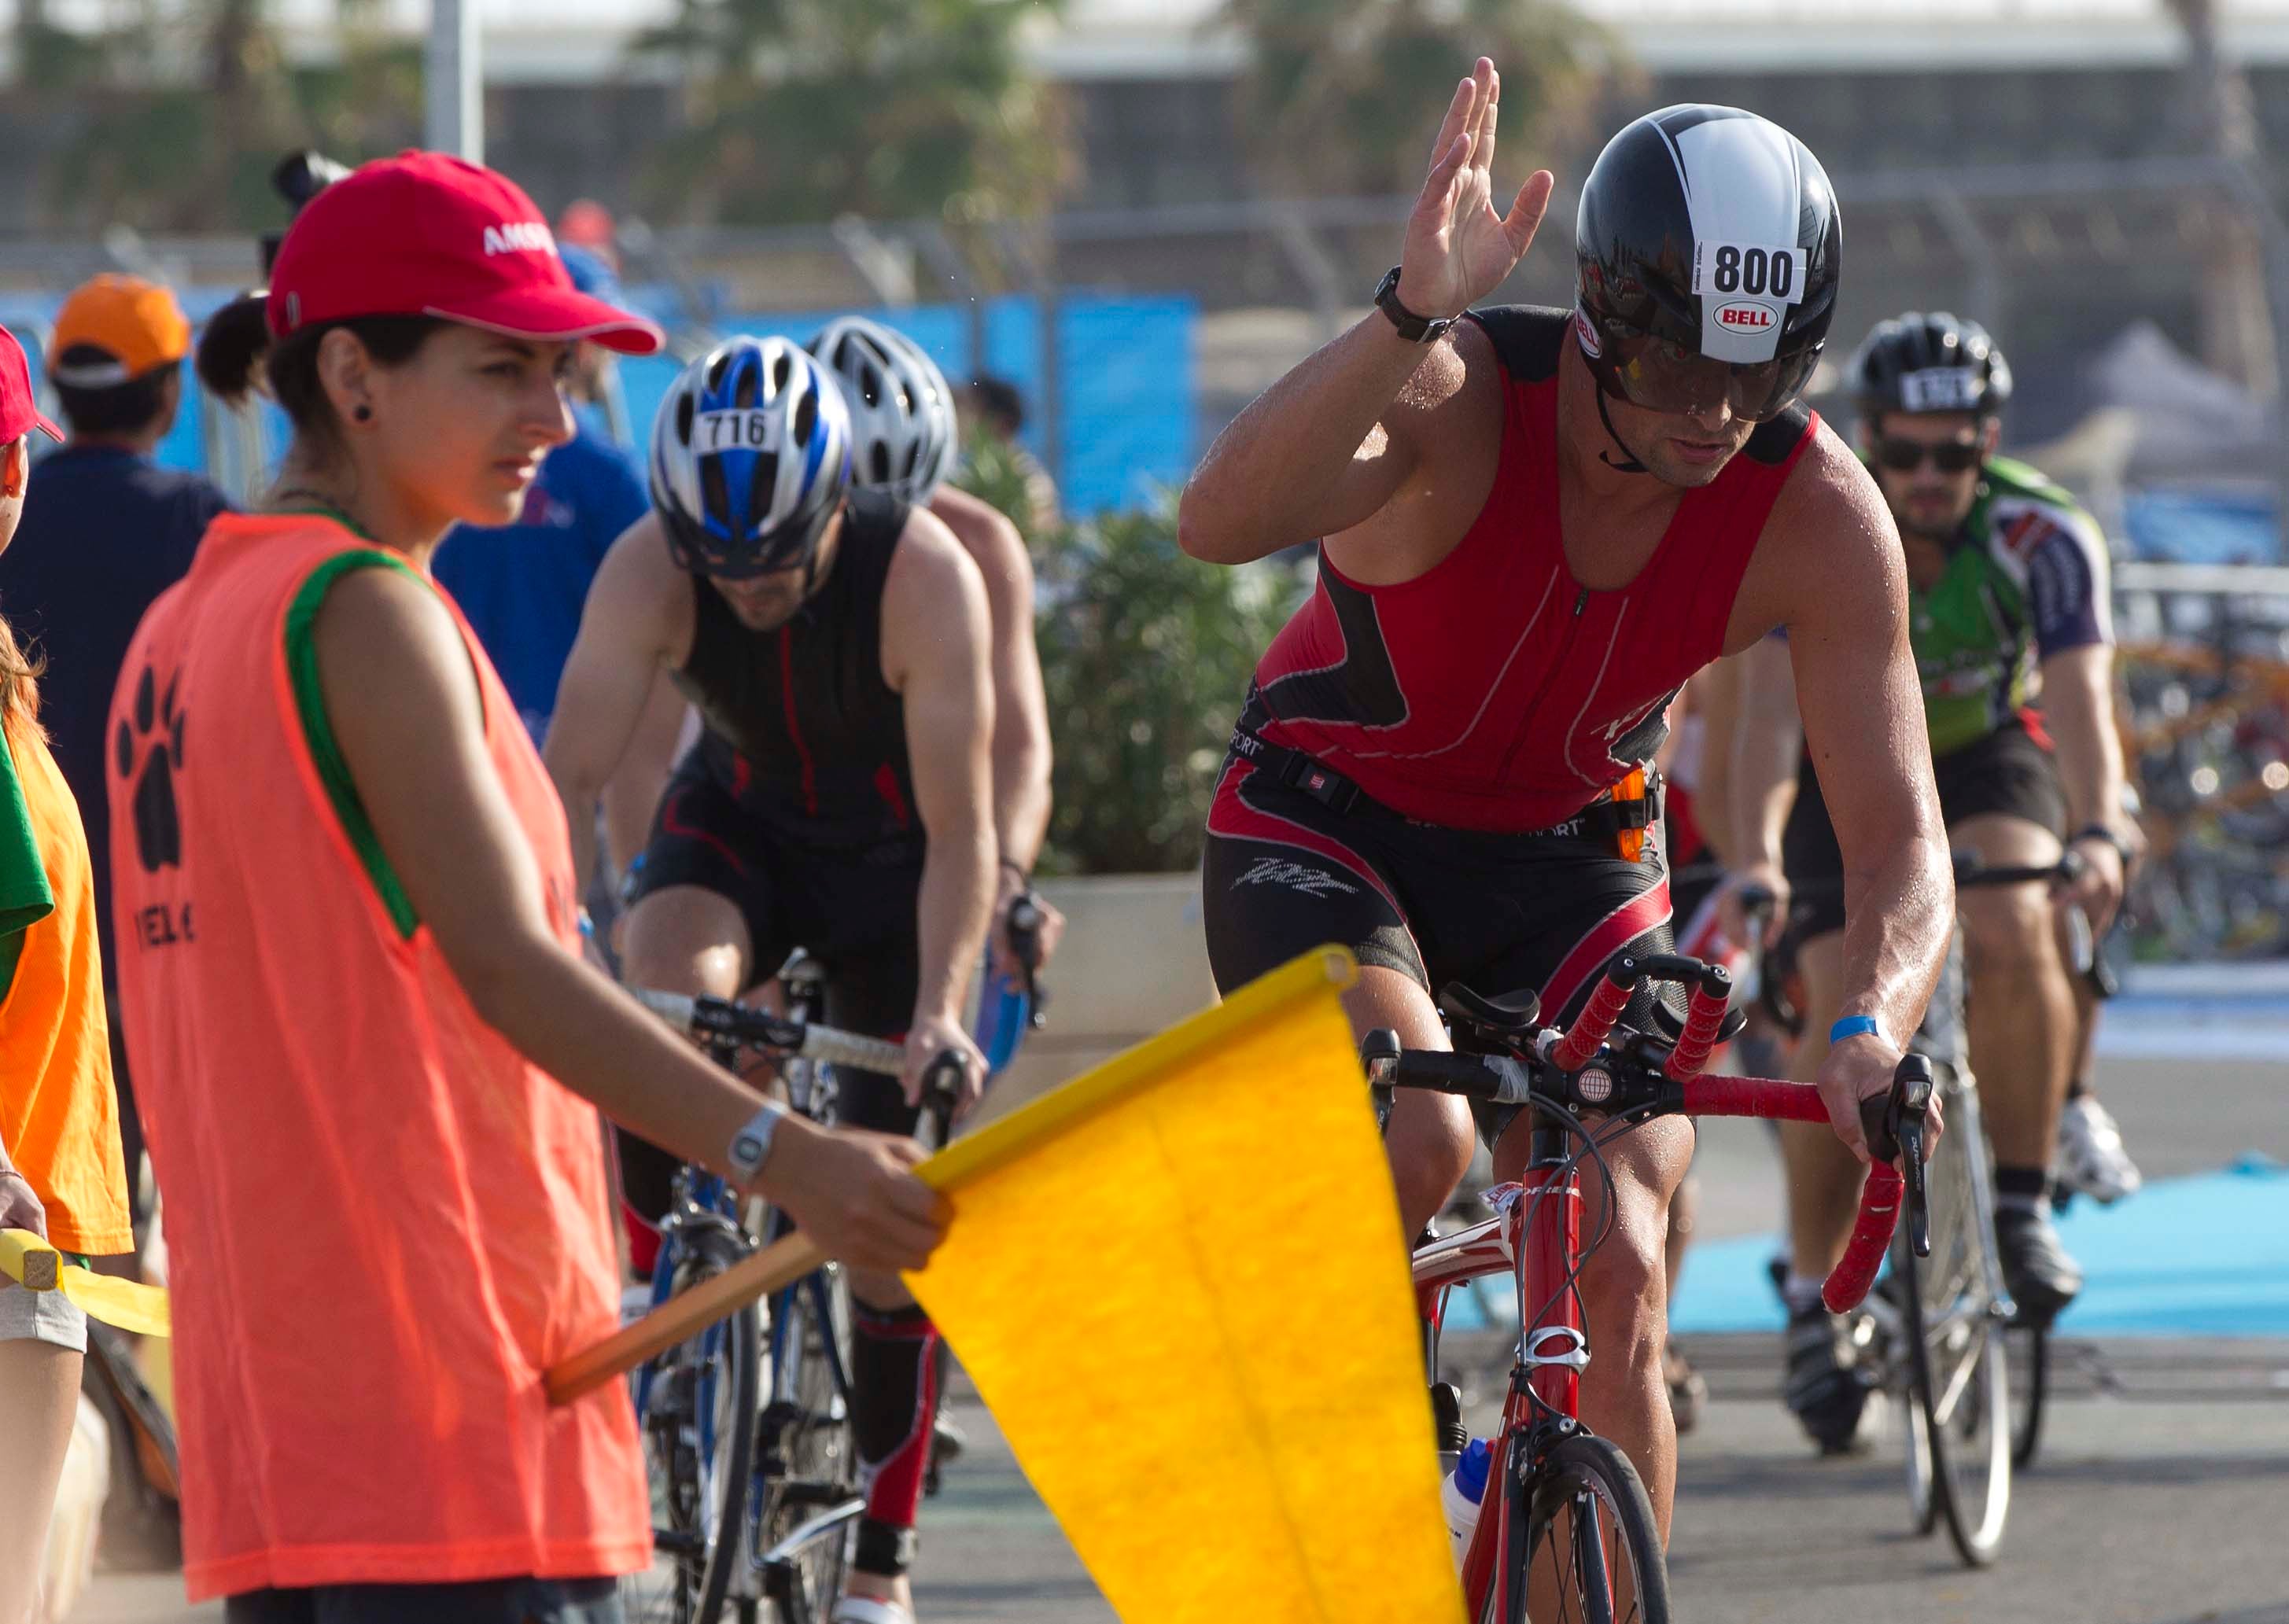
(2162, 1498)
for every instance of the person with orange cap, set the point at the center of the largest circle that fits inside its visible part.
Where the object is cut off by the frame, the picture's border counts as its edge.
(106, 530)
(61, 1175)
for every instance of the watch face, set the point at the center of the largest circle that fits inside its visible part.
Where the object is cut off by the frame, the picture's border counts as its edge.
(746, 1149)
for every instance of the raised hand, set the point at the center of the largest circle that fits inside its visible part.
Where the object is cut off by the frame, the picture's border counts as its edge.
(1458, 249)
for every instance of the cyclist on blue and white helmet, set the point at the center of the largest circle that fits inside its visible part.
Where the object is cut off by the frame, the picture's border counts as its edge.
(750, 463)
(835, 641)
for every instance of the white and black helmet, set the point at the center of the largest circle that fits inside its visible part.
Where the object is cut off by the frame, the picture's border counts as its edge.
(749, 458)
(1709, 253)
(902, 427)
(1919, 362)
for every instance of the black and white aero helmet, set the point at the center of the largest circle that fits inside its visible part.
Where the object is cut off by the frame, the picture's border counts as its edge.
(1916, 362)
(749, 458)
(1706, 235)
(902, 427)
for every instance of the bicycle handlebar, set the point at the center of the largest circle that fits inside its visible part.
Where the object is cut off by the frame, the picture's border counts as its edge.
(719, 1019)
(1580, 1069)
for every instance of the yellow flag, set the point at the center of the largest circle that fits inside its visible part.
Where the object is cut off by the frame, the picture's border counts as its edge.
(1180, 1283)
(38, 1266)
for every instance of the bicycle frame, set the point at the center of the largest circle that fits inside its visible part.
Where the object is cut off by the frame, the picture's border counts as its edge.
(1536, 1233)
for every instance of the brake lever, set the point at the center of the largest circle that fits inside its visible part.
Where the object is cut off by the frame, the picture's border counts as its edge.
(1907, 1116)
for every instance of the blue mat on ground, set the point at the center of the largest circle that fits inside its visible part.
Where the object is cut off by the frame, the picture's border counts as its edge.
(2206, 1256)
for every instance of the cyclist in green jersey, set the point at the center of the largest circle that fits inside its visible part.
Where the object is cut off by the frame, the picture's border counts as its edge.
(2008, 600)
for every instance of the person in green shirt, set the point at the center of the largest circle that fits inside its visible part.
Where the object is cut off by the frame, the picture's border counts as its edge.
(2007, 601)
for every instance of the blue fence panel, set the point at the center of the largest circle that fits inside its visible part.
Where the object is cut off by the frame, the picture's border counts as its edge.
(1013, 350)
(2203, 527)
(1125, 368)
(1125, 372)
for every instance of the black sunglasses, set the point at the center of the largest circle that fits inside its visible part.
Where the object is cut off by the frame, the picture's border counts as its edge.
(1906, 455)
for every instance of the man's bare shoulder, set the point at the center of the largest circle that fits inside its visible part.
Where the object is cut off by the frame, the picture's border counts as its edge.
(1828, 546)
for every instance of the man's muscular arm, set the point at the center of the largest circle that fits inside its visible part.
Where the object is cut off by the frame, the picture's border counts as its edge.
(1761, 758)
(936, 634)
(1325, 448)
(627, 633)
(1021, 711)
(1863, 718)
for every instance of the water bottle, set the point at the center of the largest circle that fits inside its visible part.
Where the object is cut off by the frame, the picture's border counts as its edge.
(1460, 1494)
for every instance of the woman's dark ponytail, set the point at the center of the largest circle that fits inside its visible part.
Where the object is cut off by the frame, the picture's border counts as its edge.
(237, 338)
(237, 341)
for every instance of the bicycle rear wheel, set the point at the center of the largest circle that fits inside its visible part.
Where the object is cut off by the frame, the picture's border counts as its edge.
(1956, 1364)
(807, 1505)
(1583, 1543)
(697, 1411)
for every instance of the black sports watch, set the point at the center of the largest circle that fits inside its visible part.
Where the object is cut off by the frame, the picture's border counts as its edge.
(2100, 831)
(1413, 328)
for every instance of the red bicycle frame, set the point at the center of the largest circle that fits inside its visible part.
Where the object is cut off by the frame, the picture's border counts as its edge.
(1536, 1237)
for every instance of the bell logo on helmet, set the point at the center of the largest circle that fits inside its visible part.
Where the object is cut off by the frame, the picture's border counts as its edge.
(1747, 317)
(519, 237)
(1586, 330)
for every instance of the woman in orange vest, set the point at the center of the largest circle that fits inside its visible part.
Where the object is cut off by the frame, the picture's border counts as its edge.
(352, 971)
(61, 1171)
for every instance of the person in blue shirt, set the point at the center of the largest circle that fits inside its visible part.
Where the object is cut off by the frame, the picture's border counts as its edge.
(106, 530)
(522, 585)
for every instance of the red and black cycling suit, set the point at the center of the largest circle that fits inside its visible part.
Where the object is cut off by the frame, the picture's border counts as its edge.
(1423, 772)
(797, 807)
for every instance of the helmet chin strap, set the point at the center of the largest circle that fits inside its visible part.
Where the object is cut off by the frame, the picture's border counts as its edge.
(1632, 466)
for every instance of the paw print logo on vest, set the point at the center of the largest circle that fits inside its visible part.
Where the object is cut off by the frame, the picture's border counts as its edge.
(149, 748)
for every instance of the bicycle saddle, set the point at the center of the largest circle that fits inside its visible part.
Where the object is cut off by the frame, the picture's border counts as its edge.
(1514, 1015)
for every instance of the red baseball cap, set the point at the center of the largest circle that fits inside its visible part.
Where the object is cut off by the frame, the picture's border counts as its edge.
(20, 410)
(427, 234)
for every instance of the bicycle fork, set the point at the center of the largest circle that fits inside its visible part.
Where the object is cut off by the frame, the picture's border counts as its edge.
(1544, 1220)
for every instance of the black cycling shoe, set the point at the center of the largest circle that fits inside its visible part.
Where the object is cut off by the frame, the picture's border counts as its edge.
(2040, 1276)
(1831, 1375)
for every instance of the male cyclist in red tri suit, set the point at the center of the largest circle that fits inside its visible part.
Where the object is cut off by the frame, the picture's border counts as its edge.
(1534, 526)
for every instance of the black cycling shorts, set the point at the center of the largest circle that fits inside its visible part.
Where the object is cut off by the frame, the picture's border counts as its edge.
(1500, 914)
(2009, 771)
(852, 909)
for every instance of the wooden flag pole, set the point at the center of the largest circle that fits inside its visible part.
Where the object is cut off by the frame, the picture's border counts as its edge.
(684, 1316)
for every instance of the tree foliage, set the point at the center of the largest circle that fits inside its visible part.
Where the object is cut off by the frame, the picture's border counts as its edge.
(1344, 96)
(806, 110)
(152, 146)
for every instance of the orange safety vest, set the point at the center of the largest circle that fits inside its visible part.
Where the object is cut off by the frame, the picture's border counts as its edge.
(383, 1222)
(59, 1117)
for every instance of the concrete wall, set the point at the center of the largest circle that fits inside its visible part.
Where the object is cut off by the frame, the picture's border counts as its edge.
(1132, 964)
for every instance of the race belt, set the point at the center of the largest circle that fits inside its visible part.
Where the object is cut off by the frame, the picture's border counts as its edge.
(1622, 813)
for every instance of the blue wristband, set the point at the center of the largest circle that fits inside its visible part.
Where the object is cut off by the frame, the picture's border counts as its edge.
(1855, 1026)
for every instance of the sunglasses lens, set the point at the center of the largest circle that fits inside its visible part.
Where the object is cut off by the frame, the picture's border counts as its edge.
(1667, 377)
(1906, 455)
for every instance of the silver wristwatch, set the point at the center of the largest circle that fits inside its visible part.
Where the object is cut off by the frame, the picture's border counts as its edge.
(751, 1146)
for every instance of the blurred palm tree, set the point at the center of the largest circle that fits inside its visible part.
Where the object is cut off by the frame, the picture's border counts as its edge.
(802, 111)
(2220, 119)
(1344, 96)
(174, 119)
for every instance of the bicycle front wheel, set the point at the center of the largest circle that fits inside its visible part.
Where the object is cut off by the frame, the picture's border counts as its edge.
(808, 1505)
(1584, 1549)
(697, 1413)
(1960, 1404)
